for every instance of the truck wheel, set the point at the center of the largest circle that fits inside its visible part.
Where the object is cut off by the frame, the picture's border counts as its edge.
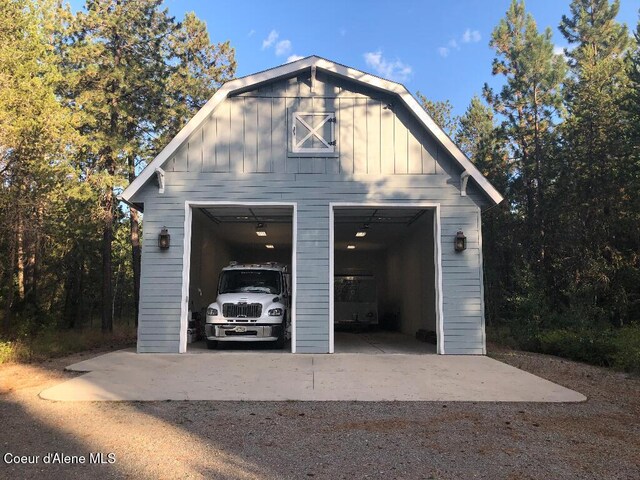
(212, 344)
(281, 338)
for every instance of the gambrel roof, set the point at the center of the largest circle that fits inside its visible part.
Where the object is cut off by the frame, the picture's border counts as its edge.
(336, 69)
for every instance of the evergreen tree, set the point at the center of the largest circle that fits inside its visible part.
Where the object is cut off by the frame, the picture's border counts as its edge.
(35, 139)
(440, 112)
(479, 138)
(114, 66)
(595, 181)
(133, 76)
(200, 68)
(529, 104)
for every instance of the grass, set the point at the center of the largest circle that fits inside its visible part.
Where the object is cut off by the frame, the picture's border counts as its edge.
(51, 344)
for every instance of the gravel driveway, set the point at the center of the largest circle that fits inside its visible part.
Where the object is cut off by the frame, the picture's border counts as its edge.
(599, 438)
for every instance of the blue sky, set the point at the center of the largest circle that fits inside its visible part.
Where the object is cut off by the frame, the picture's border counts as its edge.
(438, 48)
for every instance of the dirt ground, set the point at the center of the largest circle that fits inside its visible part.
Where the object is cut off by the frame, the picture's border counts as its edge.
(597, 439)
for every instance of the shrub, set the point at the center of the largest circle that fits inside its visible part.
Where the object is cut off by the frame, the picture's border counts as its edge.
(591, 346)
(50, 343)
(627, 342)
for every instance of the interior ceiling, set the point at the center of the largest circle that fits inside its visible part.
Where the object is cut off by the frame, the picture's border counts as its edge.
(246, 214)
(236, 225)
(387, 226)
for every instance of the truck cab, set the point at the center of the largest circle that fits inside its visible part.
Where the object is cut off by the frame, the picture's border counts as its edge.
(252, 305)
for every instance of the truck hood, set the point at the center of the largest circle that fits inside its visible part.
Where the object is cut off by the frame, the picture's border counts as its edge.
(246, 297)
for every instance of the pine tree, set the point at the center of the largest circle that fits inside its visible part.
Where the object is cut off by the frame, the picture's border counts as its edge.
(200, 68)
(441, 113)
(479, 138)
(596, 175)
(529, 104)
(35, 139)
(114, 67)
(133, 76)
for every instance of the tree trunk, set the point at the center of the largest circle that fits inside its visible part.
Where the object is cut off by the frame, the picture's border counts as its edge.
(21, 267)
(11, 258)
(37, 255)
(107, 266)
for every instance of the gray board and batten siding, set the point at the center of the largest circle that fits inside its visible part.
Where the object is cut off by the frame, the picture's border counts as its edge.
(242, 153)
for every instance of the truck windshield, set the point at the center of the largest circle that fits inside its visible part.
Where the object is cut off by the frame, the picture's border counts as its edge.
(253, 281)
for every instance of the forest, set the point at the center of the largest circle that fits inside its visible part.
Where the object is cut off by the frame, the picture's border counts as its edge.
(87, 98)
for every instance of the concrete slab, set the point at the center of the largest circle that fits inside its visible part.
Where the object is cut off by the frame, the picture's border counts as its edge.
(370, 343)
(256, 376)
(375, 343)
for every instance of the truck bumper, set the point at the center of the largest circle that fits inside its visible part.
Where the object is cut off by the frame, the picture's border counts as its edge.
(242, 333)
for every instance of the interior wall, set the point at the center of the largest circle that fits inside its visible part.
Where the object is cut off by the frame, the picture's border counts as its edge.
(410, 271)
(209, 254)
(361, 262)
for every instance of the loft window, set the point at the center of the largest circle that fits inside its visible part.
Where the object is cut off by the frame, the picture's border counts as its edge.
(313, 132)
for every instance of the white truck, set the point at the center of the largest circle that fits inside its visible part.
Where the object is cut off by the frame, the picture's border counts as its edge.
(253, 305)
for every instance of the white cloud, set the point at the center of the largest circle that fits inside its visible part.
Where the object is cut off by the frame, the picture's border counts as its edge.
(283, 47)
(471, 36)
(270, 40)
(393, 70)
(251, 33)
(558, 50)
(294, 57)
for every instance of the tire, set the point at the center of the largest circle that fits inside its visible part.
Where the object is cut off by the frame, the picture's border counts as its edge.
(212, 344)
(281, 338)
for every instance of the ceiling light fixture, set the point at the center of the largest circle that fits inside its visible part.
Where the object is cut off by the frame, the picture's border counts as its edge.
(351, 247)
(261, 230)
(269, 246)
(363, 231)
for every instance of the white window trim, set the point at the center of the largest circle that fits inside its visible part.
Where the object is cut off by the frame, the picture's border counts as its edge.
(313, 131)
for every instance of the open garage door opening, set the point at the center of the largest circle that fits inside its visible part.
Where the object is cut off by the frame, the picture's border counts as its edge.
(385, 280)
(240, 278)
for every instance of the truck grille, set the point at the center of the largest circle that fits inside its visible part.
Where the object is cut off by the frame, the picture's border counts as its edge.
(243, 310)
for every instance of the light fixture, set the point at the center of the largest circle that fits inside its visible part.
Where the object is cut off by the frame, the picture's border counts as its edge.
(164, 239)
(261, 231)
(460, 242)
(363, 231)
(269, 246)
(351, 247)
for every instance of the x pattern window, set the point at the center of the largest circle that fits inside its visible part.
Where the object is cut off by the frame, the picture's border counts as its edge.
(313, 132)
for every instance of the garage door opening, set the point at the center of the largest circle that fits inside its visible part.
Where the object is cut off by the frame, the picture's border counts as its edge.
(385, 279)
(241, 267)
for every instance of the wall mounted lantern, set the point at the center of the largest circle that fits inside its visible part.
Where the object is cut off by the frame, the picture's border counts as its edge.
(164, 239)
(460, 241)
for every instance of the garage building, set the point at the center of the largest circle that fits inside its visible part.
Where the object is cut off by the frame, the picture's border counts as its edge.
(354, 187)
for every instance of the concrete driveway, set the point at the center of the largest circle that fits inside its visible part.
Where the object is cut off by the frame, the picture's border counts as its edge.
(258, 376)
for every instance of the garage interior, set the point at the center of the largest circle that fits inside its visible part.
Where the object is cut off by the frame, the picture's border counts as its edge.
(222, 234)
(384, 280)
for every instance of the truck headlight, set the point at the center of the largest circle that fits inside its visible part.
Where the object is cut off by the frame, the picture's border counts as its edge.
(212, 312)
(275, 312)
